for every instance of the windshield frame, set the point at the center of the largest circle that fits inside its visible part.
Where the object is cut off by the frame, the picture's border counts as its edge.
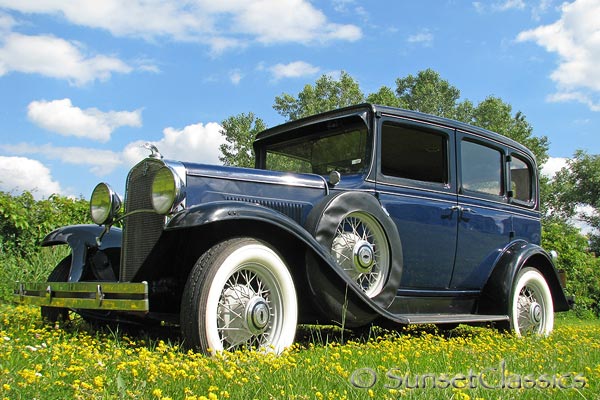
(319, 131)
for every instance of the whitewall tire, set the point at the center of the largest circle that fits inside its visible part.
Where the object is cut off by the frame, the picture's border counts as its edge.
(531, 308)
(240, 295)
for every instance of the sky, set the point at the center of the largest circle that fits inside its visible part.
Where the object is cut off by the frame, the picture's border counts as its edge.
(85, 83)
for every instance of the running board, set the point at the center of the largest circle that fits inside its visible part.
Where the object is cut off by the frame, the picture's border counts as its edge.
(448, 318)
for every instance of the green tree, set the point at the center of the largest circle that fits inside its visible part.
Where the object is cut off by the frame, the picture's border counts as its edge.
(240, 131)
(576, 187)
(427, 92)
(326, 94)
(386, 97)
(496, 115)
(581, 267)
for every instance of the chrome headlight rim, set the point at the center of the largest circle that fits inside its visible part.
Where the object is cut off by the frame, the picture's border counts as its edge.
(168, 190)
(105, 204)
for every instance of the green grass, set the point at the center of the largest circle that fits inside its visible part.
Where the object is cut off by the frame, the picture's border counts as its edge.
(35, 268)
(74, 361)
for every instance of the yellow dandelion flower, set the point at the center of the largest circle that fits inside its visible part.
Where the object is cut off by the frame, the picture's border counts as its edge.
(99, 381)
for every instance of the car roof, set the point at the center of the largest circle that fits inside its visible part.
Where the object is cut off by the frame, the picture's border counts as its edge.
(365, 109)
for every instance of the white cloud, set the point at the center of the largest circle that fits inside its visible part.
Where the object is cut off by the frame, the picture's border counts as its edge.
(296, 69)
(56, 58)
(235, 76)
(18, 174)
(537, 8)
(62, 117)
(6, 23)
(425, 37)
(101, 162)
(264, 21)
(575, 38)
(197, 142)
(509, 5)
(553, 165)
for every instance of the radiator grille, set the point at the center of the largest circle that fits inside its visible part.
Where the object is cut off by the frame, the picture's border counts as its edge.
(141, 231)
(292, 210)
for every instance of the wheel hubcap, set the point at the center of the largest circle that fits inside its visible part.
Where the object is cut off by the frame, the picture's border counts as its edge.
(535, 313)
(257, 315)
(364, 256)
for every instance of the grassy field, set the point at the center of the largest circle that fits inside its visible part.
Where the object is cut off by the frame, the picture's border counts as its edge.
(74, 361)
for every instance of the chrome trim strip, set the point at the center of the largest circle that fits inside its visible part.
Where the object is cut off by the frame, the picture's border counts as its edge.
(260, 181)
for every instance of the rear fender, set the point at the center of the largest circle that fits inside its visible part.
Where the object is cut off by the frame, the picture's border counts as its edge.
(80, 239)
(223, 211)
(495, 296)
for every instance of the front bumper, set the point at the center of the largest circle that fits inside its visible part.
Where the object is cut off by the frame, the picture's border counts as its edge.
(85, 295)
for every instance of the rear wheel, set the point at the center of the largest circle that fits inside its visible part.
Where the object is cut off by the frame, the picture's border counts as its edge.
(59, 274)
(240, 295)
(531, 309)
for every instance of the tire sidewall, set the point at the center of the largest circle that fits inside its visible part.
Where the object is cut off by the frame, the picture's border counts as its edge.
(237, 254)
(532, 276)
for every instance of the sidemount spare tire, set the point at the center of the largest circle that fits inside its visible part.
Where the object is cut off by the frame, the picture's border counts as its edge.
(364, 243)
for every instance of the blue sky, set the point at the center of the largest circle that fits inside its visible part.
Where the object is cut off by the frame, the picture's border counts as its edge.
(84, 83)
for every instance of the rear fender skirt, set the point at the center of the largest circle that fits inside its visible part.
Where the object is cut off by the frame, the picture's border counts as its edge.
(495, 296)
(80, 238)
(217, 212)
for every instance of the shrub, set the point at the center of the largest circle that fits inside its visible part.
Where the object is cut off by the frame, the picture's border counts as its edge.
(581, 266)
(23, 224)
(24, 221)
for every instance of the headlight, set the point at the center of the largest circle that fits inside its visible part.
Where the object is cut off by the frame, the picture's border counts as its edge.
(104, 204)
(167, 190)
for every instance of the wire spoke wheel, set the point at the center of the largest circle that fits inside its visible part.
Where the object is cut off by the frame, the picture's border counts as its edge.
(240, 295)
(532, 311)
(247, 309)
(360, 247)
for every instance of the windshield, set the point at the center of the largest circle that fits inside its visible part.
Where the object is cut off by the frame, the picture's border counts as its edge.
(345, 152)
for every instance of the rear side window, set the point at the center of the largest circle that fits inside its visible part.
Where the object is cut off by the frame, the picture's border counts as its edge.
(520, 180)
(481, 168)
(414, 154)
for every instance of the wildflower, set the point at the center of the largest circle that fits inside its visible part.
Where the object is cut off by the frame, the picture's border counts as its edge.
(99, 381)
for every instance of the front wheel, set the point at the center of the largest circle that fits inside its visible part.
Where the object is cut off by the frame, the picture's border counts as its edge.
(239, 295)
(59, 274)
(531, 309)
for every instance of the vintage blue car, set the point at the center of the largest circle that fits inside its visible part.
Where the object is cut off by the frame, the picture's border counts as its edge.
(361, 215)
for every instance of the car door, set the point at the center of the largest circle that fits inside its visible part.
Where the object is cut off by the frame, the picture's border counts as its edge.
(484, 218)
(416, 184)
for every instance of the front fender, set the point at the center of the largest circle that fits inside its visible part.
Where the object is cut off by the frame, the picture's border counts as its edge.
(495, 297)
(222, 211)
(80, 238)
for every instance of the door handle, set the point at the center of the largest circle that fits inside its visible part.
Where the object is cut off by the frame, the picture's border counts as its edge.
(461, 212)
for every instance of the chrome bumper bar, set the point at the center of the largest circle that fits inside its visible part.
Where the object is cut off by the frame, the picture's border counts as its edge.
(85, 295)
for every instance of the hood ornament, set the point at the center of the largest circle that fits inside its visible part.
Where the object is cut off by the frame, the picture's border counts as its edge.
(154, 150)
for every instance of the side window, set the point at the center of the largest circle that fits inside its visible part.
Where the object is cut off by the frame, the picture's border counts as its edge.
(414, 154)
(481, 168)
(520, 179)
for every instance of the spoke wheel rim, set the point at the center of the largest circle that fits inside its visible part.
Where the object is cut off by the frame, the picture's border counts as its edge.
(248, 307)
(360, 248)
(530, 306)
